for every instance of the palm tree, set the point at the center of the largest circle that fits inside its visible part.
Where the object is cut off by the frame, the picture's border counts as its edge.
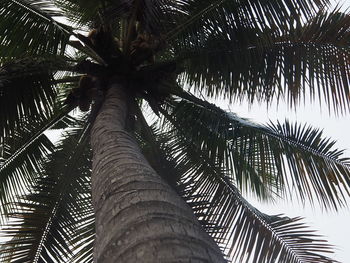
(168, 167)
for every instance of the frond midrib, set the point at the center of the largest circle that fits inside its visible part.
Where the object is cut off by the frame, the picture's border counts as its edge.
(257, 127)
(42, 15)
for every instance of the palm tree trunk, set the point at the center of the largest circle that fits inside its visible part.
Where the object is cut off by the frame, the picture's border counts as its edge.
(139, 218)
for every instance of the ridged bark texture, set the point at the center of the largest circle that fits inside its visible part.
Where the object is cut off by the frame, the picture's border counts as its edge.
(139, 218)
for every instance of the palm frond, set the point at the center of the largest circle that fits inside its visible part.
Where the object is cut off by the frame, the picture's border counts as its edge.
(156, 16)
(203, 17)
(26, 90)
(94, 13)
(155, 148)
(248, 172)
(248, 235)
(22, 155)
(17, 174)
(29, 27)
(263, 64)
(84, 237)
(84, 13)
(284, 157)
(80, 13)
(46, 221)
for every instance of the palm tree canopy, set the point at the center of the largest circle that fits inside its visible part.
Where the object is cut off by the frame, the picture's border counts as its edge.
(166, 53)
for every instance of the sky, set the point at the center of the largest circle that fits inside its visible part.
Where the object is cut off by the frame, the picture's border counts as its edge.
(330, 224)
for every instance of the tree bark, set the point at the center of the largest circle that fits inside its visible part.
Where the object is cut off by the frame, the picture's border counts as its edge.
(139, 217)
